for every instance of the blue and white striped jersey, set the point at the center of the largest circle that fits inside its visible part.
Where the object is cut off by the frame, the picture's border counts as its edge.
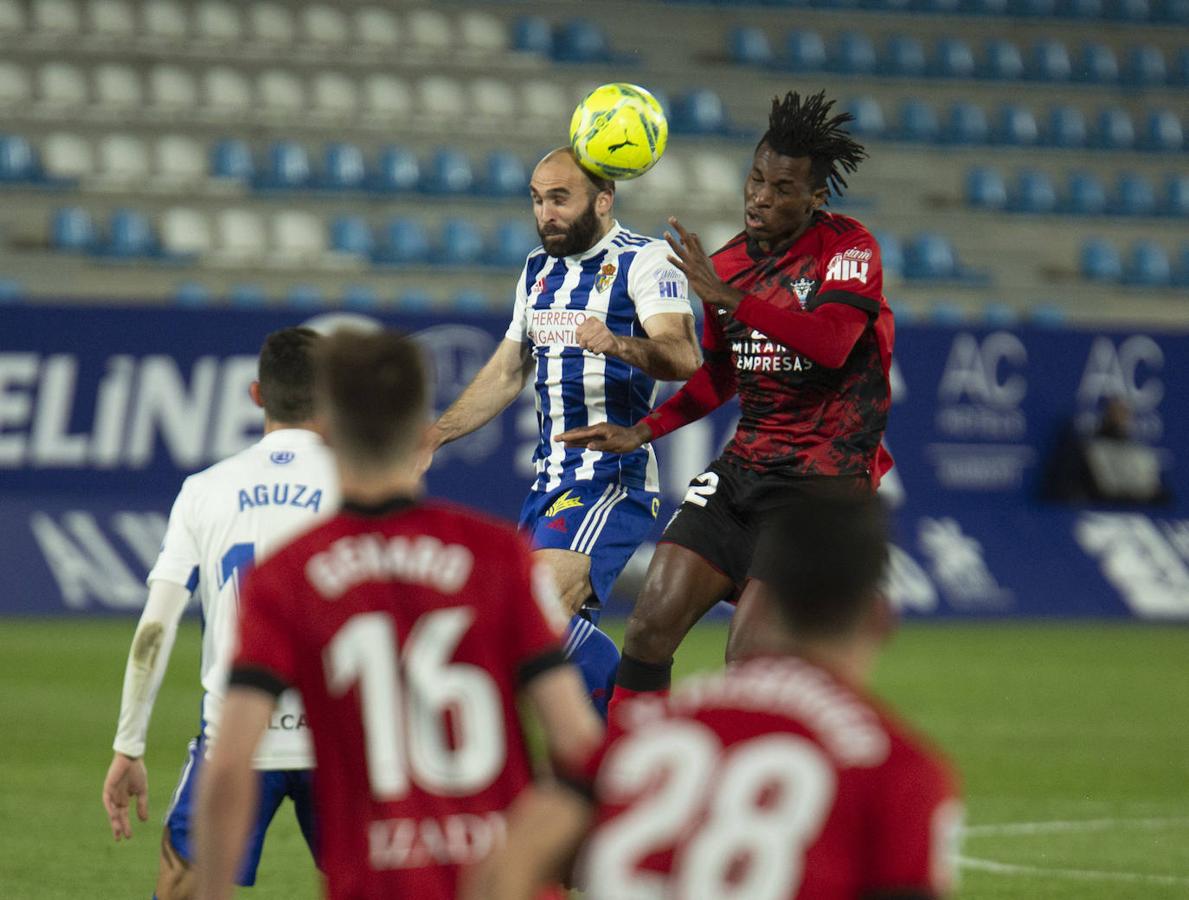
(624, 280)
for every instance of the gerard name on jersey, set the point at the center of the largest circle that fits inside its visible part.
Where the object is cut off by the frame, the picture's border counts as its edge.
(356, 559)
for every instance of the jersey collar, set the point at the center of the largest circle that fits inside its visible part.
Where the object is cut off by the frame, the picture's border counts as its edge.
(394, 504)
(604, 242)
(289, 437)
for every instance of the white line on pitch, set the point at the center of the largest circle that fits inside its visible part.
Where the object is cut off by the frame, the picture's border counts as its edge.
(1074, 825)
(999, 868)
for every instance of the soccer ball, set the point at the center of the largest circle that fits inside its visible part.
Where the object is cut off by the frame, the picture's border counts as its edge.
(619, 131)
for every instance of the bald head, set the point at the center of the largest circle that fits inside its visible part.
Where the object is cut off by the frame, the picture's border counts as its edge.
(572, 206)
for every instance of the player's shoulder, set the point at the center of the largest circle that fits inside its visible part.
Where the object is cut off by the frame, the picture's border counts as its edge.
(913, 756)
(626, 239)
(838, 229)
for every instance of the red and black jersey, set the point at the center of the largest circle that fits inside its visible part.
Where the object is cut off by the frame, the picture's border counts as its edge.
(807, 350)
(408, 630)
(773, 779)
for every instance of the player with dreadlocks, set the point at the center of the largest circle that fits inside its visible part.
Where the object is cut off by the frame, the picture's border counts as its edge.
(797, 326)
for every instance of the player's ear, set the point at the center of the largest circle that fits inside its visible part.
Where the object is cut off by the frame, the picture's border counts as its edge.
(819, 197)
(254, 393)
(604, 200)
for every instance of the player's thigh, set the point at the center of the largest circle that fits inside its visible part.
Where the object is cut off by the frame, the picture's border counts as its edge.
(571, 571)
(753, 625)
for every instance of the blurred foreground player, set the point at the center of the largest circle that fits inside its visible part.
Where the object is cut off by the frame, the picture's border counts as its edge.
(600, 314)
(410, 628)
(225, 518)
(796, 324)
(780, 779)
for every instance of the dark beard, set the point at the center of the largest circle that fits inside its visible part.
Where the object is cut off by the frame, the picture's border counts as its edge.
(578, 238)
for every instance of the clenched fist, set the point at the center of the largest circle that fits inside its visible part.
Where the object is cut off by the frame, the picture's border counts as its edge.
(595, 336)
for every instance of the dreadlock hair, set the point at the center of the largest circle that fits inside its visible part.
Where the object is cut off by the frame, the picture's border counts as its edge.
(799, 127)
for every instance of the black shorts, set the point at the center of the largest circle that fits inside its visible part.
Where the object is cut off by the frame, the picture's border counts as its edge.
(719, 518)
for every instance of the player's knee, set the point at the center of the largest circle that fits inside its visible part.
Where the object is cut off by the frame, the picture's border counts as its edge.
(651, 637)
(174, 876)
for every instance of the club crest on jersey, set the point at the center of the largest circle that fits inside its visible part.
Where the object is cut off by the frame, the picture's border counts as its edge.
(282, 457)
(606, 277)
(802, 289)
(561, 504)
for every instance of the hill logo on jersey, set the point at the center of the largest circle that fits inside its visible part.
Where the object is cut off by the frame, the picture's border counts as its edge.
(561, 504)
(282, 457)
(849, 266)
(606, 277)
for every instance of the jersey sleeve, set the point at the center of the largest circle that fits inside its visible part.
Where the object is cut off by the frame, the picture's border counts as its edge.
(518, 327)
(656, 285)
(916, 826)
(266, 657)
(537, 620)
(179, 560)
(853, 273)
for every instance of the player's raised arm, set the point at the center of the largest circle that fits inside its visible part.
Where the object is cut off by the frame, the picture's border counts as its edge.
(669, 353)
(148, 658)
(498, 383)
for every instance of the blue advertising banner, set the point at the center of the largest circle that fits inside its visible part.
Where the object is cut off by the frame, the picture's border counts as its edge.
(104, 411)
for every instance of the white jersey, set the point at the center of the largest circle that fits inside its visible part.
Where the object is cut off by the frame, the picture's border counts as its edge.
(225, 519)
(624, 280)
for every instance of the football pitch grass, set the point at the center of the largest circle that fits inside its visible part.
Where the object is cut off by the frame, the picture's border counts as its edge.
(1072, 741)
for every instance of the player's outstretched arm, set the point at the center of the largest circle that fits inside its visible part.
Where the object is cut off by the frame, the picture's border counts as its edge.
(606, 437)
(147, 661)
(228, 791)
(498, 383)
(669, 353)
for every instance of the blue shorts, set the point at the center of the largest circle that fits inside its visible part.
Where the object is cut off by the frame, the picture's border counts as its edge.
(607, 522)
(275, 786)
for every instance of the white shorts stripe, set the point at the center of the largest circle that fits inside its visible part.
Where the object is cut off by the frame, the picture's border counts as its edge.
(191, 756)
(591, 515)
(593, 533)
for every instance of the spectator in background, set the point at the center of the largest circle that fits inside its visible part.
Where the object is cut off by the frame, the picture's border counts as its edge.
(1107, 466)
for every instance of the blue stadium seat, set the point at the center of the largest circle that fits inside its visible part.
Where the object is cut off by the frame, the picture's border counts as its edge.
(351, 235)
(1180, 72)
(868, 116)
(397, 170)
(1002, 60)
(917, 122)
(360, 297)
(1176, 195)
(1134, 196)
(506, 175)
(699, 112)
(248, 295)
(985, 189)
(1097, 64)
(989, 7)
(1016, 126)
(940, 7)
(903, 55)
(1033, 193)
(1066, 127)
(1180, 275)
(1164, 132)
(1034, 9)
(415, 300)
(232, 158)
(1148, 265)
(1047, 315)
(997, 314)
(18, 160)
(305, 296)
(1114, 129)
(1082, 9)
(461, 243)
(72, 230)
(952, 58)
(930, 257)
(129, 235)
(532, 34)
(1130, 10)
(1050, 61)
(470, 300)
(511, 242)
(581, 41)
(804, 51)
(402, 242)
(965, 123)
(449, 173)
(1085, 194)
(749, 46)
(1145, 66)
(192, 293)
(891, 252)
(854, 54)
(946, 313)
(343, 167)
(1175, 12)
(287, 167)
(1099, 260)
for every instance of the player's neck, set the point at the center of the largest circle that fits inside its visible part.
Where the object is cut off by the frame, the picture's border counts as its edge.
(270, 426)
(371, 487)
(849, 659)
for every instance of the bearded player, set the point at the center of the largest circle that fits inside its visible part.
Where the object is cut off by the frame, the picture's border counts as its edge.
(600, 315)
(410, 628)
(779, 779)
(224, 519)
(796, 325)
